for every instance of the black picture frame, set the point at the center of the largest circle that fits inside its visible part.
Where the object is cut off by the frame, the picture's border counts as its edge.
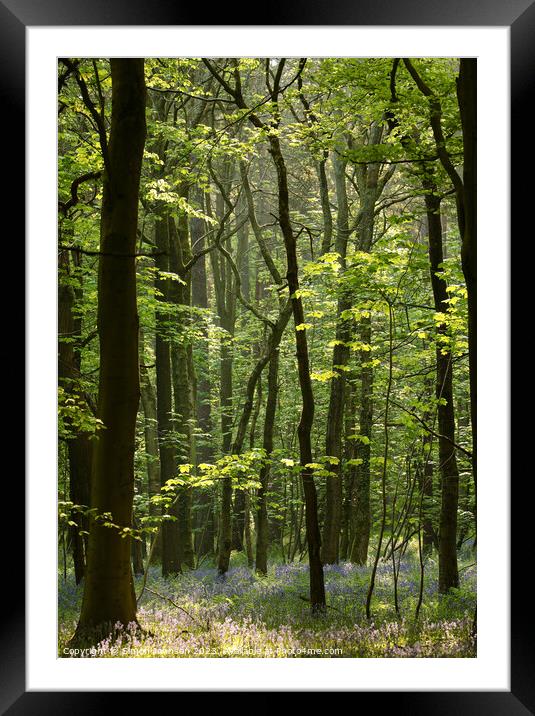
(15, 16)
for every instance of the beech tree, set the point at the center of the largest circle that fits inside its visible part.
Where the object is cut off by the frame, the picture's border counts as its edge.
(108, 586)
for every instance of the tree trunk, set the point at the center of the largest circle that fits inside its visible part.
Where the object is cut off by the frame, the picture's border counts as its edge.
(183, 380)
(370, 187)
(426, 469)
(346, 538)
(447, 555)
(327, 238)
(317, 586)
(80, 445)
(137, 552)
(204, 523)
(164, 395)
(362, 516)
(226, 308)
(247, 532)
(109, 590)
(467, 96)
(262, 536)
(335, 416)
(242, 262)
(225, 523)
(150, 414)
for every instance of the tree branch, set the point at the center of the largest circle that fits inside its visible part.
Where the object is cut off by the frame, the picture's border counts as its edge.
(65, 206)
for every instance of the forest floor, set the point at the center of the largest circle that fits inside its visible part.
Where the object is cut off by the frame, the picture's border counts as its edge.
(199, 614)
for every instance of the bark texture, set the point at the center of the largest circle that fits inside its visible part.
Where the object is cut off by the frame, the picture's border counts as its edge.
(449, 471)
(79, 445)
(335, 417)
(109, 592)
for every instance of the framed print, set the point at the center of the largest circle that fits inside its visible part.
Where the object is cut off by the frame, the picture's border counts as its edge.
(223, 161)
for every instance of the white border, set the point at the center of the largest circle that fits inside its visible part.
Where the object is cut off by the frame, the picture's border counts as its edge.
(490, 671)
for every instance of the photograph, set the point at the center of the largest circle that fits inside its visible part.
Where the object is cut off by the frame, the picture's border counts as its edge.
(266, 357)
(268, 323)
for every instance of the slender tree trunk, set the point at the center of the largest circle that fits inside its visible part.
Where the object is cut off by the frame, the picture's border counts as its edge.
(164, 394)
(467, 96)
(148, 401)
(225, 522)
(317, 586)
(137, 552)
(204, 524)
(447, 555)
(247, 532)
(185, 453)
(183, 381)
(80, 445)
(370, 187)
(325, 206)
(346, 538)
(238, 520)
(109, 591)
(362, 515)
(262, 537)
(80, 458)
(426, 469)
(384, 471)
(226, 308)
(335, 416)
(242, 261)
